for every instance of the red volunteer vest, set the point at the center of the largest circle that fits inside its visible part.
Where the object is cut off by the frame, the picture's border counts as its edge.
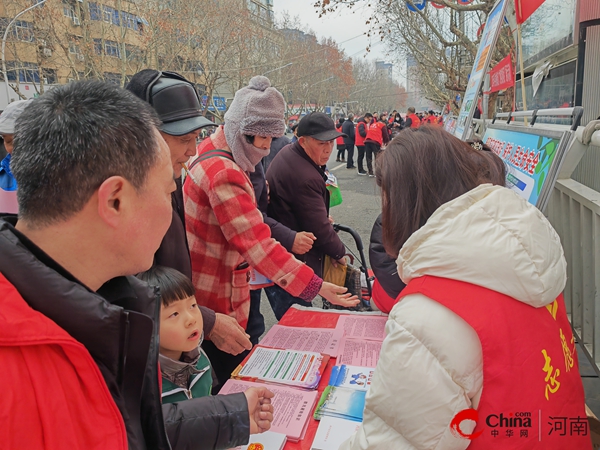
(358, 139)
(339, 140)
(374, 132)
(416, 122)
(532, 394)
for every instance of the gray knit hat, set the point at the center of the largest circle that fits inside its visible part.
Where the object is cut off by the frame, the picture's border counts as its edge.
(256, 110)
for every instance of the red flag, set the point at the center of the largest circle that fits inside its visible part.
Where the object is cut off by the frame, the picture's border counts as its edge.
(525, 8)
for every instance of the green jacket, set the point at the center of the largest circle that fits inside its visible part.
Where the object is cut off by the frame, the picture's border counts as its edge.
(199, 384)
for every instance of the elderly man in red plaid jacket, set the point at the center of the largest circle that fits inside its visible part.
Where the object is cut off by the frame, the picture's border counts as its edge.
(226, 232)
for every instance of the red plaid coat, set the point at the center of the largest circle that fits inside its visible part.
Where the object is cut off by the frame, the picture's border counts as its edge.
(224, 229)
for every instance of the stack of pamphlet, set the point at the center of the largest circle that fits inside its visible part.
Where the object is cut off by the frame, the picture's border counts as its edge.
(345, 403)
(291, 406)
(353, 377)
(290, 367)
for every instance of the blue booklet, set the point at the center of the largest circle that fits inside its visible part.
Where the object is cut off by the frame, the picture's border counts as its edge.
(341, 402)
(353, 377)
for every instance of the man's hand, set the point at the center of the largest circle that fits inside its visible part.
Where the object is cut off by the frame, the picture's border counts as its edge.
(337, 296)
(229, 336)
(303, 242)
(330, 219)
(259, 408)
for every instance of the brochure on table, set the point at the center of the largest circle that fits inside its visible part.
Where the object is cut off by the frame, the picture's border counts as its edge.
(480, 65)
(332, 432)
(341, 402)
(533, 157)
(353, 377)
(321, 340)
(290, 367)
(291, 407)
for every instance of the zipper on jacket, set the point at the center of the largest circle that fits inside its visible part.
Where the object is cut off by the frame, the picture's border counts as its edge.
(124, 345)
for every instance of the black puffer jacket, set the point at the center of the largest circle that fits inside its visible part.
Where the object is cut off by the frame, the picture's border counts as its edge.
(384, 267)
(118, 325)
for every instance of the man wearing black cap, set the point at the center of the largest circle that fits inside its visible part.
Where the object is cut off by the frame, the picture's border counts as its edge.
(178, 106)
(298, 196)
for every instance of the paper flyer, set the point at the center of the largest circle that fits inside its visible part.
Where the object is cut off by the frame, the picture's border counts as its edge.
(292, 407)
(320, 340)
(365, 327)
(332, 432)
(268, 440)
(353, 377)
(283, 366)
(355, 352)
(341, 402)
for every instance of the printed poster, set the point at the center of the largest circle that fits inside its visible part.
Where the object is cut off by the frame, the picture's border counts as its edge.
(529, 159)
(482, 60)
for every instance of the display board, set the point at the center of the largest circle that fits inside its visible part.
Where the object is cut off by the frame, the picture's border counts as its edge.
(480, 65)
(533, 157)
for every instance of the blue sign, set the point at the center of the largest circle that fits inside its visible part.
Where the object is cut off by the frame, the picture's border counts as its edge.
(219, 102)
(419, 4)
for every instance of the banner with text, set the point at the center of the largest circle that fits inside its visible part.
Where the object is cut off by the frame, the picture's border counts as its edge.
(480, 65)
(502, 76)
(531, 157)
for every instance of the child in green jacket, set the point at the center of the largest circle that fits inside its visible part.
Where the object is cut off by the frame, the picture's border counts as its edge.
(185, 368)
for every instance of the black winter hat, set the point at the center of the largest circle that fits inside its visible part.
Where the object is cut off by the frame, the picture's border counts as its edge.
(174, 99)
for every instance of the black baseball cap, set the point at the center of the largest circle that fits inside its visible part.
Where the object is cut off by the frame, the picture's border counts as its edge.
(173, 98)
(318, 126)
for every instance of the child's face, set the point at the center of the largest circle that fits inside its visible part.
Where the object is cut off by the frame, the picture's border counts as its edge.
(180, 327)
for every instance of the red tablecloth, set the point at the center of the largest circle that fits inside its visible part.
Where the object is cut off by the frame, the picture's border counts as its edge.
(310, 319)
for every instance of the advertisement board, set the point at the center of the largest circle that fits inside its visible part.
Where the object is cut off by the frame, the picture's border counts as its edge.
(480, 65)
(532, 156)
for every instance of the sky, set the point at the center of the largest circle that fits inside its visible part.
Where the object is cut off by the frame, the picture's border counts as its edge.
(346, 26)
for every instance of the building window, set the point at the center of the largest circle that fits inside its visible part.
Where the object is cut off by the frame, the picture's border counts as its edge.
(74, 48)
(98, 46)
(68, 9)
(129, 20)
(110, 15)
(95, 12)
(111, 48)
(23, 31)
(133, 53)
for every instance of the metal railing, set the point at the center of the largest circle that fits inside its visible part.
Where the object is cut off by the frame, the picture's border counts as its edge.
(574, 211)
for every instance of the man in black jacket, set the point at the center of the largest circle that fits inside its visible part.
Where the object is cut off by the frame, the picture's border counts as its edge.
(299, 198)
(348, 130)
(95, 182)
(178, 107)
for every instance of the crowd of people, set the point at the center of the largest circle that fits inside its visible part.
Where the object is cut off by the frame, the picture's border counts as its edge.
(125, 273)
(370, 132)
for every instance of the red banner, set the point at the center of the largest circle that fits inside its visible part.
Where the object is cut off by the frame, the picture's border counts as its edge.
(502, 76)
(525, 8)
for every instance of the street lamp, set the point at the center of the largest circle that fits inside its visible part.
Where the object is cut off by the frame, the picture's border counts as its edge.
(38, 3)
(273, 70)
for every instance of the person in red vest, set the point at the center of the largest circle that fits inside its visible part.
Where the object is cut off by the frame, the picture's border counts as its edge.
(479, 352)
(412, 120)
(339, 142)
(359, 140)
(377, 136)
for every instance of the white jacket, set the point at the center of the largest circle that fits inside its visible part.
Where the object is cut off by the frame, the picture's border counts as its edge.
(430, 366)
